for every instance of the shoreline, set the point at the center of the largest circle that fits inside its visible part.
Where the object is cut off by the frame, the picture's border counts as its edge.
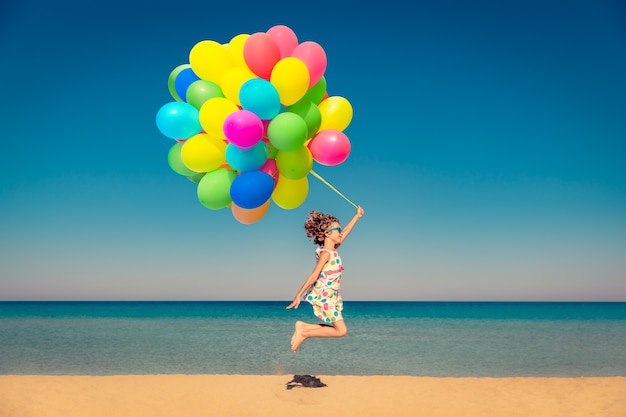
(267, 395)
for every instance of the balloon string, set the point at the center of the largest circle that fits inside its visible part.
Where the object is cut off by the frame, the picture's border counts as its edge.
(316, 175)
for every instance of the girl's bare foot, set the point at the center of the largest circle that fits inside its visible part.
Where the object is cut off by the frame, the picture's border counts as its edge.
(298, 337)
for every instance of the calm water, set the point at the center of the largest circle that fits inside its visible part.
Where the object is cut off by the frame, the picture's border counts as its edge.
(385, 338)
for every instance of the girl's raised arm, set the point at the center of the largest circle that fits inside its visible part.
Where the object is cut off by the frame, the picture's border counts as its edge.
(348, 227)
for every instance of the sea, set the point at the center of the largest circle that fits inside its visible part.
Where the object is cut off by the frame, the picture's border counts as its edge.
(441, 339)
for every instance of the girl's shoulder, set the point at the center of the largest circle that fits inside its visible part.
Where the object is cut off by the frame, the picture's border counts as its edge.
(320, 249)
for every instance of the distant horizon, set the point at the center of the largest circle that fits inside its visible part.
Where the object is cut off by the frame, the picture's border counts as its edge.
(287, 301)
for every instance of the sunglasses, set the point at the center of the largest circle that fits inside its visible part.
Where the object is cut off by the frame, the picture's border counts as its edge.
(334, 228)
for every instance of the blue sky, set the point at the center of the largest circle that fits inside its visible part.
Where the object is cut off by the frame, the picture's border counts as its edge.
(488, 146)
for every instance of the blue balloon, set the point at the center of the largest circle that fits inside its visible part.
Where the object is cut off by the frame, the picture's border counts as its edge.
(183, 81)
(178, 120)
(246, 159)
(260, 97)
(251, 189)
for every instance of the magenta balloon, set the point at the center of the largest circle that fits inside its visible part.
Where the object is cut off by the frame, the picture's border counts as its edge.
(330, 147)
(285, 38)
(243, 128)
(314, 57)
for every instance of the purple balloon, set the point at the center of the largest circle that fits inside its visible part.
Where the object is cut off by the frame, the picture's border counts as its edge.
(243, 128)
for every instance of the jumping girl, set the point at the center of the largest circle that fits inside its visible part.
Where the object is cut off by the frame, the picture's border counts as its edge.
(321, 288)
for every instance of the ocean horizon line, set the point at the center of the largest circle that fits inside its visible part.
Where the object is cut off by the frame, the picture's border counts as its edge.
(289, 300)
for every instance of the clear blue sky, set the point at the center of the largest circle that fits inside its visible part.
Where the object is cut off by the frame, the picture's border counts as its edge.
(488, 151)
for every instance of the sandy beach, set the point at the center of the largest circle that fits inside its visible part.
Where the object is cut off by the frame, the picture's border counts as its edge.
(258, 396)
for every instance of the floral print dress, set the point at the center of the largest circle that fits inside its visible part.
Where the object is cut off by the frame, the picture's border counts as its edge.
(323, 294)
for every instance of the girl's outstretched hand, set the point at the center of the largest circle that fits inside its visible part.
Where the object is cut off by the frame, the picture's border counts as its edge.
(359, 211)
(294, 304)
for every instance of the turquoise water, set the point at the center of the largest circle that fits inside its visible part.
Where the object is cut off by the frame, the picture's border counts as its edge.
(385, 338)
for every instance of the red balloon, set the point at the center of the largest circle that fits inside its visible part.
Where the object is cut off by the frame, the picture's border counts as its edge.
(261, 53)
(330, 147)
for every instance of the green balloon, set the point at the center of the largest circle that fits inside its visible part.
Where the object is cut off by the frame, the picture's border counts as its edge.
(287, 131)
(214, 188)
(310, 113)
(295, 164)
(200, 91)
(195, 178)
(316, 93)
(176, 162)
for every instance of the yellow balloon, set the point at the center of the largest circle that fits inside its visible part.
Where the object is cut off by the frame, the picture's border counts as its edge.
(213, 113)
(203, 154)
(209, 60)
(291, 78)
(235, 50)
(232, 81)
(336, 113)
(289, 193)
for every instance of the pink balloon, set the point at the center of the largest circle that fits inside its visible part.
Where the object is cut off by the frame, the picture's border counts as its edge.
(243, 128)
(270, 168)
(330, 147)
(285, 38)
(314, 57)
(261, 53)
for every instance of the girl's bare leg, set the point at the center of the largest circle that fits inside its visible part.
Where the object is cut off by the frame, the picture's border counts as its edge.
(305, 330)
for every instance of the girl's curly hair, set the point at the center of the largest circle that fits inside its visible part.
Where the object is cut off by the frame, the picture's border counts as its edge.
(316, 225)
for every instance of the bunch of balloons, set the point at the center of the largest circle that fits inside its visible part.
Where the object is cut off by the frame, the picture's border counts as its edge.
(249, 118)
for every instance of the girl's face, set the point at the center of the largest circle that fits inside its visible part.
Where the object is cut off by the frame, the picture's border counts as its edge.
(334, 232)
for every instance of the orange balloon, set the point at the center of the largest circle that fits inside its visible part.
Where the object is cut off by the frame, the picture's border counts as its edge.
(249, 216)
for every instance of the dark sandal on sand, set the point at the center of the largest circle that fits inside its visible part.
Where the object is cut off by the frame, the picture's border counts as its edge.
(308, 381)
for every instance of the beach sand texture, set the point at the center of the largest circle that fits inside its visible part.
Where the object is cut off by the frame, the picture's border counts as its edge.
(259, 396)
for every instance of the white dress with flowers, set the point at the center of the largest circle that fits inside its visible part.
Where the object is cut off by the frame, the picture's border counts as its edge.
(323, 294)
